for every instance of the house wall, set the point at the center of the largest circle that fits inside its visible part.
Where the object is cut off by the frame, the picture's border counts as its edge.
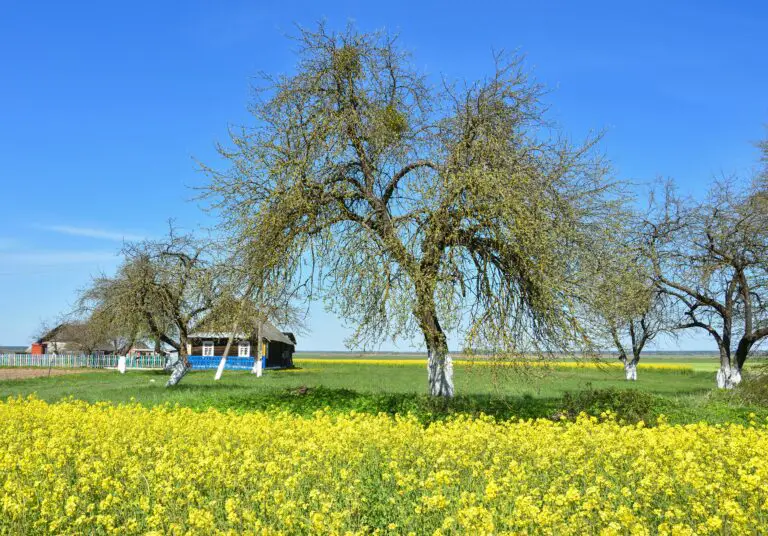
(219, 345)
(279, 355)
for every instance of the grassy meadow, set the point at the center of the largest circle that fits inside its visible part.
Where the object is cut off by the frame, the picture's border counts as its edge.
(679, 387)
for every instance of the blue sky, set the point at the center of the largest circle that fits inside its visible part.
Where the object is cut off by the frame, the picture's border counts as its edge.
(104, 107)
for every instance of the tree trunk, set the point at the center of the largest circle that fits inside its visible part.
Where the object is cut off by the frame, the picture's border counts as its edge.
(729, 375)
(440, 372)
(178, 371)
(257, 364)
(630, 369)
(181, 367)
(439, 363)
(227, 348)
(742, 351)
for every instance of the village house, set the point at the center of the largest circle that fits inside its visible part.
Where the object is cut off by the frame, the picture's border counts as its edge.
(71, 338)
(67, 338)
(277, 346)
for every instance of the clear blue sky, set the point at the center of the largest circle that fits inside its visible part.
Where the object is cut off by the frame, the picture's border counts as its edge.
(104, 106)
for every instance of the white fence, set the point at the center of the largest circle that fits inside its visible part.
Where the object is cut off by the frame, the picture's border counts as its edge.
(80, 361)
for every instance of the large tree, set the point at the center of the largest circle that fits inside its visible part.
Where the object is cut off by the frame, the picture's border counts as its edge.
(413, 209)
(712, 258)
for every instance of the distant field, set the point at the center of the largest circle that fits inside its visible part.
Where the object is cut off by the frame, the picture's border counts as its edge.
(699, 361)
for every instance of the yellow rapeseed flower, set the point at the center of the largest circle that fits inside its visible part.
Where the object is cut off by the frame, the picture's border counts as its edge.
(77, 468)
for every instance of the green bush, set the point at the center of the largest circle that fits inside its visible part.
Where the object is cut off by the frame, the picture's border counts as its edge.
(628, 405)
(754, 388)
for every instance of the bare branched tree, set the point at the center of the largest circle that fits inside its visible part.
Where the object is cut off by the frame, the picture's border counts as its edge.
(415, 210)
(163, 289)
(712, 258)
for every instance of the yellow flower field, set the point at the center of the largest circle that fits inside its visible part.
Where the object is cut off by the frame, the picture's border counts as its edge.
(479, 362)
(74, 468)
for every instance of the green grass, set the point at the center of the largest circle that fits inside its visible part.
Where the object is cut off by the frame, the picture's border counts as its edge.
(682, 396)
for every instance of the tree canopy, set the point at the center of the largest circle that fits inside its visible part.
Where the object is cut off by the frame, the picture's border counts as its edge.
(415, 209)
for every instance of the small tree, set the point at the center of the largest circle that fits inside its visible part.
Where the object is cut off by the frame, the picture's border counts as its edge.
(163, 288)
(254, 290)
(629, 311)
(415, 210)
(712, 258)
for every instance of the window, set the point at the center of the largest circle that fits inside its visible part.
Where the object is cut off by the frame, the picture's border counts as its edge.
(208, 349)
(244, 349)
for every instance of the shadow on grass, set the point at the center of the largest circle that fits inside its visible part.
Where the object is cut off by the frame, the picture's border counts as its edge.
(308, 400)
(629, 406)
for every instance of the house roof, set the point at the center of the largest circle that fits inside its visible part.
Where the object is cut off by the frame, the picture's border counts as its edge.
(66, 334)
(268, 332)
(52, 333)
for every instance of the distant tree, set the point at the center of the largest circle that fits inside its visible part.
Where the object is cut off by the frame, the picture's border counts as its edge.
(88, 337)
(628, 311)
(415, 210)
(104, 328)
(163, 288)
(712, 258)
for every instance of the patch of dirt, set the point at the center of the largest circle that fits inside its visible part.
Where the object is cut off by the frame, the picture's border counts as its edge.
(24, 373)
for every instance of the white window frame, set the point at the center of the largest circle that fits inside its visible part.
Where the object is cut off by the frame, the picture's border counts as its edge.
(244, 349)
(208, 348)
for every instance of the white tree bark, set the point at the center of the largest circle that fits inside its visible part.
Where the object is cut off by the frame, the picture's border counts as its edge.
(220, 369)
(440, 374)
(735, 376)
(178, 371)
(728, 377)
(630, 370)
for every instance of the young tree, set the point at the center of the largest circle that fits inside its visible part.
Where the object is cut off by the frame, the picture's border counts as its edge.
(413, 209)
(629, 311)
(712, 258)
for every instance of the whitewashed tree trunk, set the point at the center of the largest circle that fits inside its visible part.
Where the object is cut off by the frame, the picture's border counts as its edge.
(121, 364)
(440, 374)
(220, 369)
(257, 364)
(735, 376)
(630, 370)
(178, 371)
(728, 377)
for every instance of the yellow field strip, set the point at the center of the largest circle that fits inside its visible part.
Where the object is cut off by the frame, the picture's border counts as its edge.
(76, 468)
(464, 362)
